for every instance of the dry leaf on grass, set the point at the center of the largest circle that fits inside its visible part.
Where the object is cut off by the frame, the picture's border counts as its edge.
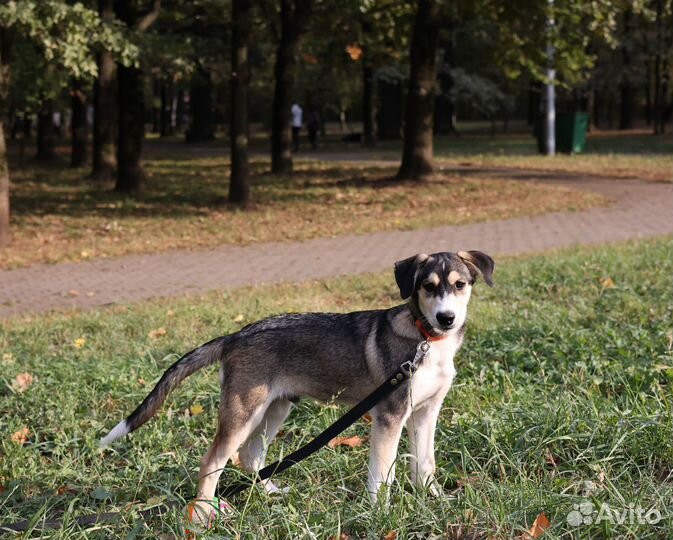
(23, 381)
(79, 342)
(159, 332)
(392, 535)
(21, 437)
(351, 442)
(607, 283)
(540, 525)
(239, 318)
(366, 418)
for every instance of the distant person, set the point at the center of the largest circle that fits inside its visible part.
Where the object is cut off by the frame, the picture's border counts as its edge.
(313, 125)
(296, 125)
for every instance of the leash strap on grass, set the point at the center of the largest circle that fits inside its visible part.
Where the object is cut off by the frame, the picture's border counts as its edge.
(393, 382)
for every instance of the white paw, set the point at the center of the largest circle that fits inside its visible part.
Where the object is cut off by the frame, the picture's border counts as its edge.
(273, 489)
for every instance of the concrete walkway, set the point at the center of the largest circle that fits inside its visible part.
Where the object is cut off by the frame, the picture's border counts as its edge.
(639, 210)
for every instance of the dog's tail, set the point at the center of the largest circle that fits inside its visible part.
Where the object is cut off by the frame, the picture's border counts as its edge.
(199, 358)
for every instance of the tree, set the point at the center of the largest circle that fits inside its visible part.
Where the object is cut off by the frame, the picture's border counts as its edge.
(4, 169)
(417, 150)
(131, 104)
(67, 37)
(239, 189)
(80, 133)
(294, 15)
(104, 119)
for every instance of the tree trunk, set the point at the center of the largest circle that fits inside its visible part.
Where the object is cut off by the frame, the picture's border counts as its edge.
(293, 17)
(104, 118)
(130, 173)
(156, 106)
(658, 106)
(239, 187)
(5, 236)
(166, 109)
(389, 115)
(626, 90)
(368, 104)
(202, 127)
(417, 152)
(46, 132)
(80, 132)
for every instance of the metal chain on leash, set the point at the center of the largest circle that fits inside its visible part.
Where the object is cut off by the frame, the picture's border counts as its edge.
(410, 366)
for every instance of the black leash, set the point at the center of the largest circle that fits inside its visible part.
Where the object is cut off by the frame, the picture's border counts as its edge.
(404, 373)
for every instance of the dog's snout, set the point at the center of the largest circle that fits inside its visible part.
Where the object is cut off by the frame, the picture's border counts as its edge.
(446, 318)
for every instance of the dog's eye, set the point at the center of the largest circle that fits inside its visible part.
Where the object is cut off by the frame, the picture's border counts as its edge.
(460, 284)
(429, 286)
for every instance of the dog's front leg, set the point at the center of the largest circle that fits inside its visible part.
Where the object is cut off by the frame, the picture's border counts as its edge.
(421, 427)
(385, 438)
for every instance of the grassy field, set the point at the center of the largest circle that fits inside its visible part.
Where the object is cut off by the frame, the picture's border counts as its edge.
(562, 403)
(612, 154)
(58, 216)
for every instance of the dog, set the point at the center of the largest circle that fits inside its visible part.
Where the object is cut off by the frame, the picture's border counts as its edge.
(270, 364)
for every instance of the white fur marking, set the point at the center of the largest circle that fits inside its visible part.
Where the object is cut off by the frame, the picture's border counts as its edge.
(119, 431)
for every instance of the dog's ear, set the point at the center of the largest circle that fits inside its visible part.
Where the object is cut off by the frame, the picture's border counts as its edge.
(477, 263)
(405, 271)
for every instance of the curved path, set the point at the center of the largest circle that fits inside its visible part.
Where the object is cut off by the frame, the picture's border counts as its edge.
(639, 210)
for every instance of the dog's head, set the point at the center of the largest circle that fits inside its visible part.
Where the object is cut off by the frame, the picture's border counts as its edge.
(439, 285)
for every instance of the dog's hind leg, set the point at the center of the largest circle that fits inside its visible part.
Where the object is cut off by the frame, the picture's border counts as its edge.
(253, 453)
(240, 414)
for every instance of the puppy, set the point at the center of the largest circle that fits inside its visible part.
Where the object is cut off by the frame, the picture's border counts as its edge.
(270, 364)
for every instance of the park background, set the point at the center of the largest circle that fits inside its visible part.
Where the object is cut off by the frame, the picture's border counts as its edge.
(150, 200)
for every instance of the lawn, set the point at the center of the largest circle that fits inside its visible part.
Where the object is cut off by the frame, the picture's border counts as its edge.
(610, 154)
(59, 216)
(562, 403)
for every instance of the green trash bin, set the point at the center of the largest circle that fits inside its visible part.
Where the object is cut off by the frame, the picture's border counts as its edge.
(571, 132)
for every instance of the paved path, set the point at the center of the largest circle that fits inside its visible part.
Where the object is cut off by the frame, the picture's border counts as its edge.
(639, 210)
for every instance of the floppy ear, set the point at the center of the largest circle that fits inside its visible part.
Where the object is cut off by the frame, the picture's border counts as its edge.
(479, 263)
(405, 271)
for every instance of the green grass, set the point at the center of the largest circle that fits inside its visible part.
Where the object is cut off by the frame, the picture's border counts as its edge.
(565, 379)
(611, 154)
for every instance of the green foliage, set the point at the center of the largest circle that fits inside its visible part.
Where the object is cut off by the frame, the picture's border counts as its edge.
(68, 35)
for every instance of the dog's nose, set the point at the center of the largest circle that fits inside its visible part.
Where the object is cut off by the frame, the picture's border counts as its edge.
(446, 318)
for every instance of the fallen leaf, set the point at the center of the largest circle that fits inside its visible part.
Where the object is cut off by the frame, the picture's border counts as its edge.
(549, 457)
(170, 313)
(607, 283)
(366, 418)
(239, 318)
(21, 437)
(79, 342)
(468, 481)
(159, 332)
(195, 409)
(23, 381)
(73, 292)
(61, 490)
(352, 442)
(392, 535)
(540, 525)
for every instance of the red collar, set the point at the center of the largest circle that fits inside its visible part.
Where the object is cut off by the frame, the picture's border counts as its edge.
(428, 336)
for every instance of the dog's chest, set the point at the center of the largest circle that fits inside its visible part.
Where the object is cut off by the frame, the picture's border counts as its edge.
(436, 373)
